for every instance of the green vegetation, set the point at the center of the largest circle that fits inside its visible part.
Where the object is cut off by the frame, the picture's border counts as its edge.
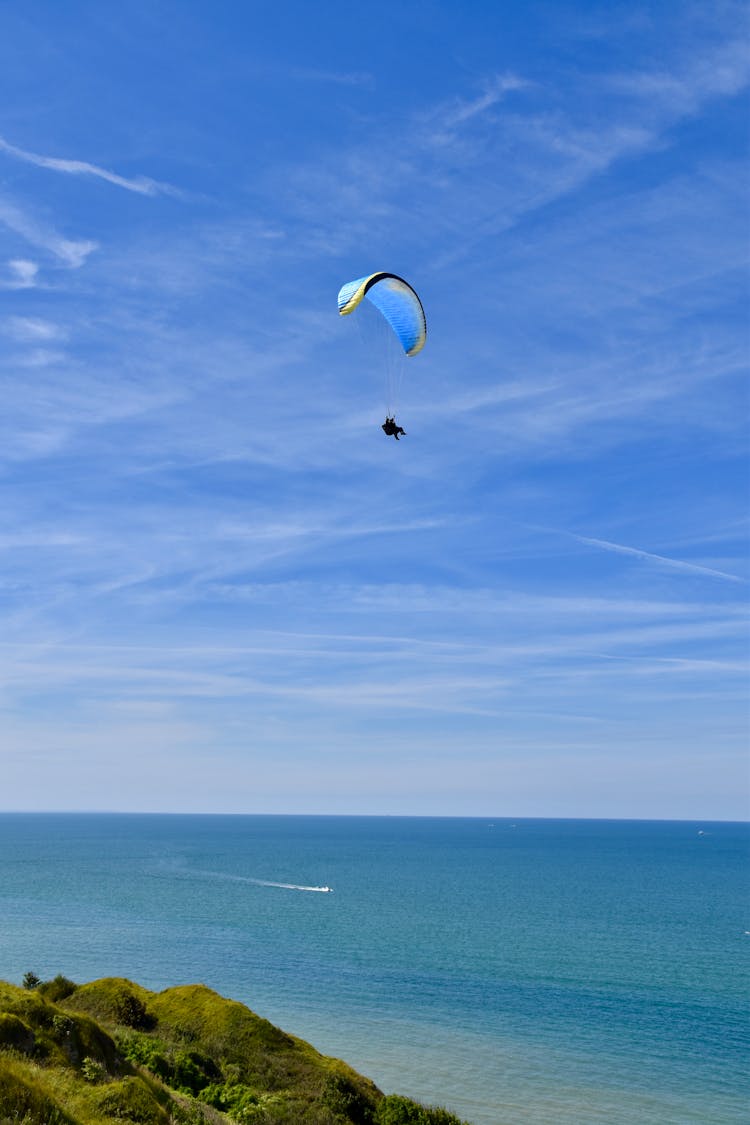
(111, 1051)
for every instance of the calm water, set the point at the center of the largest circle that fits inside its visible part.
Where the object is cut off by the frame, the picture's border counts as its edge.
(534, 971)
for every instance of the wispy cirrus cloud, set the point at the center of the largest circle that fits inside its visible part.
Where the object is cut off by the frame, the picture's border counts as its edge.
(32, 329)
(721, 72)
(143, 185)
(72, 252)
(495, 90)
(661, 560)
(21, 274)
(454, 155)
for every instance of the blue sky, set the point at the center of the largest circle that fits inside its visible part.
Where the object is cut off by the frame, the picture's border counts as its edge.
(222, 588)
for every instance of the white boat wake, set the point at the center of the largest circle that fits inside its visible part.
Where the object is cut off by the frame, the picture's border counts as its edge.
(226, 876)
(291, 886)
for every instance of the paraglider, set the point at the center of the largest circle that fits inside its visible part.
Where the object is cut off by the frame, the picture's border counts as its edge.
(401, 308)
(390, 428)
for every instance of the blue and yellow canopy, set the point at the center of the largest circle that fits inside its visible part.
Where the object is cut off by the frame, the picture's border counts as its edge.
(396, 300)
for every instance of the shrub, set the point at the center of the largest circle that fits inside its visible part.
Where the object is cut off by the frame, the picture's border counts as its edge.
(145, 1051)
(440, 1116)
(188, 1075)
(92, 1070)
(186, 1071)
(59, 988)
(229, 1097)
(397, 1110)
(202, 1066)
(62, 1026)
(131, 1011)
(342, 1097)
(190, 1113)
(31, 980)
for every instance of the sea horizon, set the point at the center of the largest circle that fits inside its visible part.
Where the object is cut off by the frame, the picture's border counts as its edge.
(379, 816)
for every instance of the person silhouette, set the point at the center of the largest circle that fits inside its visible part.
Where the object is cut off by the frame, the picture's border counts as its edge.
(390, 428)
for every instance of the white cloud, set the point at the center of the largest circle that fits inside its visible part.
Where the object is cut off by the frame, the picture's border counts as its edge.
(40, 357)
(22, 274)
(143, 185)
(469, 174)
(41, 538)
(720, 72)
(72, 253)
(662, 560)
(29, 329)
(495, 91)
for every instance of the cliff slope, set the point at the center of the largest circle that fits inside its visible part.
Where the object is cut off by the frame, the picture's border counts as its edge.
(112, 1051)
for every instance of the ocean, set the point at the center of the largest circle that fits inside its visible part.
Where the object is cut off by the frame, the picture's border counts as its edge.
(547, 972)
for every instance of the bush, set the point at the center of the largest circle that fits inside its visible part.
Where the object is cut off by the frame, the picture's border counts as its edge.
(342, 1097)
(145, 1051)
(190, 1114)
(186, 1071)
(62, 1026)
(92, 1070)
(396, 1110)
(232, 1098)
(59, 988)
(131, 1011)
(31, 980)
(440, 1116)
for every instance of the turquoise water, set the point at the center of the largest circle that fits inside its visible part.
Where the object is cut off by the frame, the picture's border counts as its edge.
(533, 971)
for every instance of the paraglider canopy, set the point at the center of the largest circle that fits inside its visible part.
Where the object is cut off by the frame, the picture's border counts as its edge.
(397, 302)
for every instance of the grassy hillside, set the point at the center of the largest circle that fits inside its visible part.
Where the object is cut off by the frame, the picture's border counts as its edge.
(111, 1051)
